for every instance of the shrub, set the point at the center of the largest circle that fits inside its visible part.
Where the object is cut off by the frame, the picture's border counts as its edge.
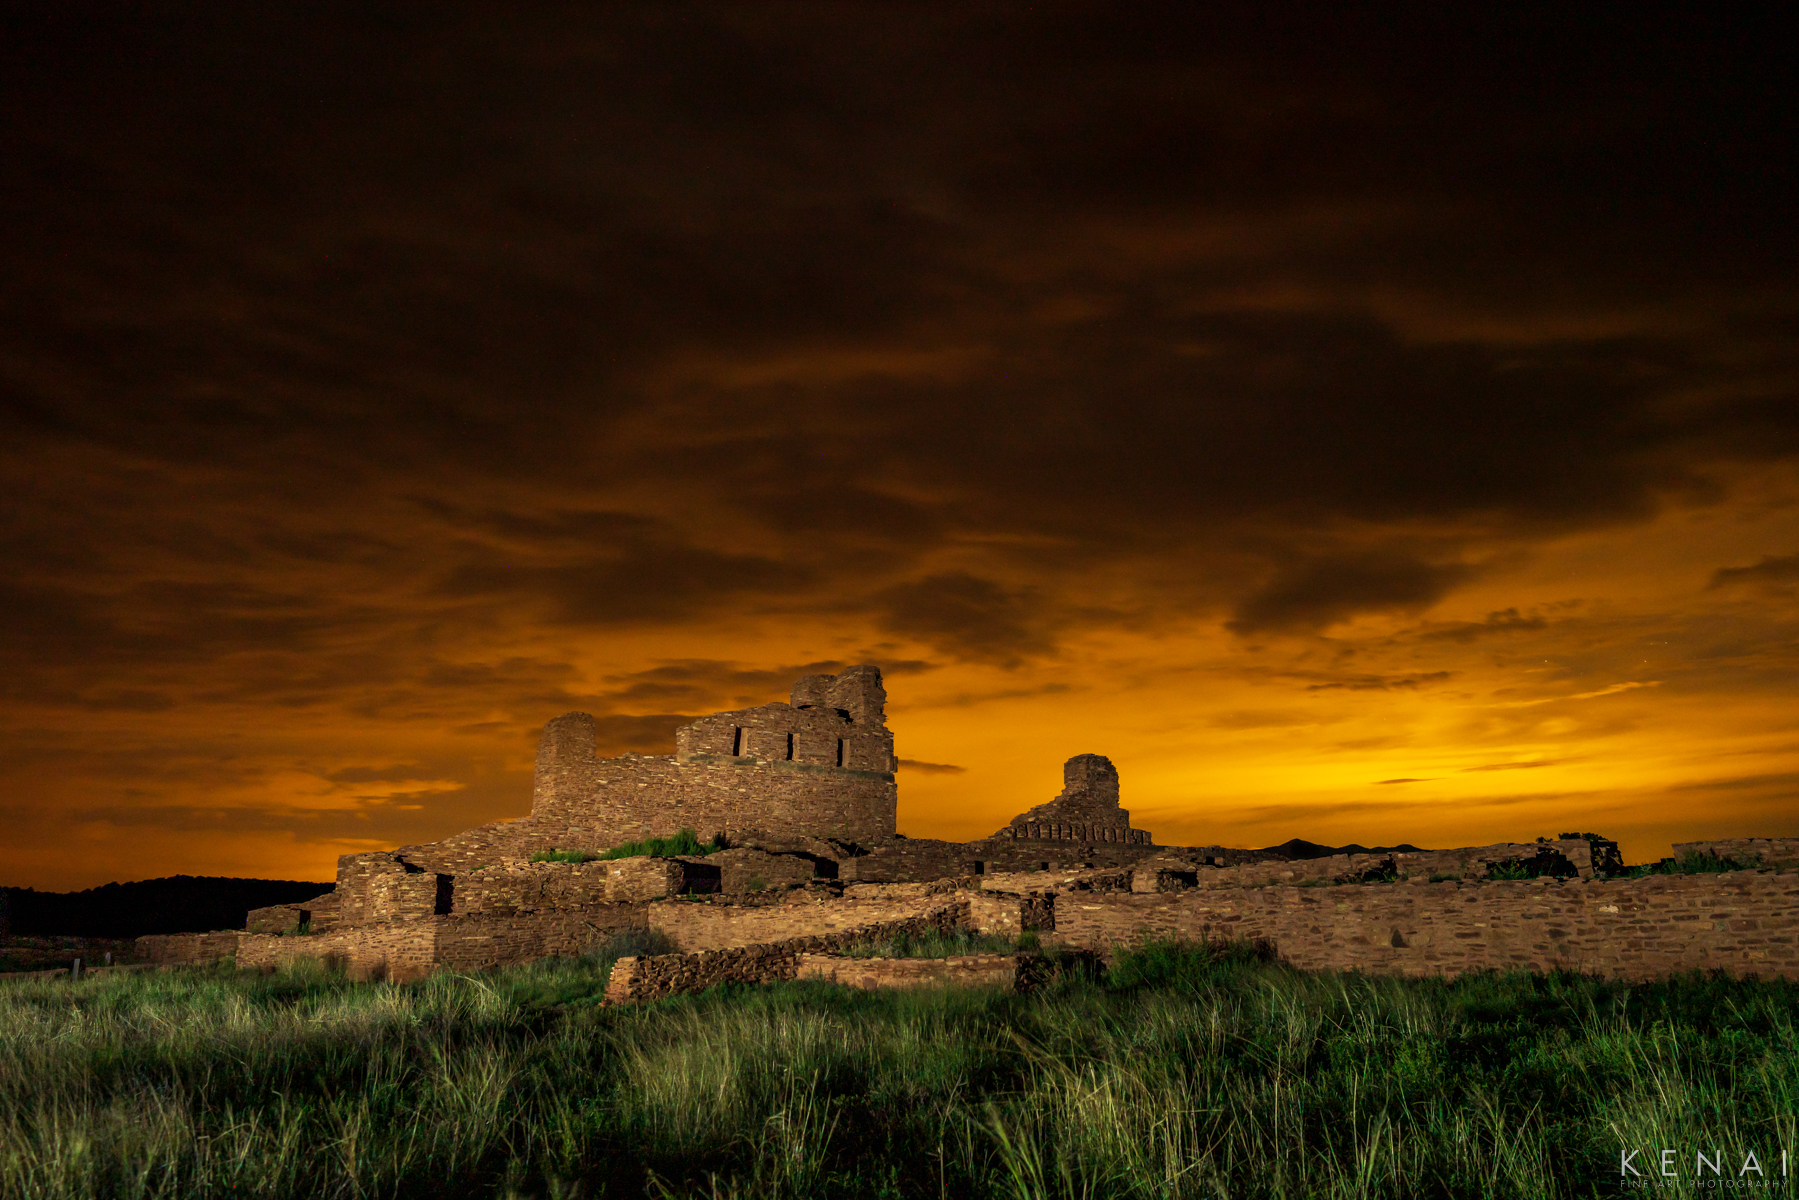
(563, 856)
(1692, 863)
(682, 843)
(1695, 863)
(1173, 962)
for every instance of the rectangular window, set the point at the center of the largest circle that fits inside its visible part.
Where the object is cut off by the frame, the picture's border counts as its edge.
(737, 741)
(790, 747)
(840, 752)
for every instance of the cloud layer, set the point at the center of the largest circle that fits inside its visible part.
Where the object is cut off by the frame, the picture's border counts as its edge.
(376, 385)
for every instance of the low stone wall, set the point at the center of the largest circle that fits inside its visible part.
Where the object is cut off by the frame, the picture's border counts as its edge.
(962, 970)
(188, 949)
(699, 927)
(1742, 922)
(1766, 852)
(1570, 858)
(651, 978)
(917, 859)
(401, 950)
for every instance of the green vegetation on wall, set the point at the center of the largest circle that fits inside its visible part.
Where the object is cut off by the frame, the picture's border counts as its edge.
(682, 844)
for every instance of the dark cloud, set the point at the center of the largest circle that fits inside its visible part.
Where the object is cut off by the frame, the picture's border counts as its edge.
(708, 680)
(1517, 766)
(1776, 782)
(1383, 781)
(1504, 621)
(968, 616)
(628, 578)
(394, 773)
(930, 768)
(1312, 595)
(1774, 570)
(1381, 683)
(421, 368)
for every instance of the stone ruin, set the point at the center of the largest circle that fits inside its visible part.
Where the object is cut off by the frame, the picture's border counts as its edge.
(805, 796)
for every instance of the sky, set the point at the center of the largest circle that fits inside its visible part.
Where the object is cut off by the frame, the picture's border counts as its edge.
(1359, 427)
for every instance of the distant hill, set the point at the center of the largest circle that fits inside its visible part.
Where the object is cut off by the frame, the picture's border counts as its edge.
(1298, 848)
(178, 904)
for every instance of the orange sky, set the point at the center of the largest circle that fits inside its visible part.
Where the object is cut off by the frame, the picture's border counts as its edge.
(1352, 433)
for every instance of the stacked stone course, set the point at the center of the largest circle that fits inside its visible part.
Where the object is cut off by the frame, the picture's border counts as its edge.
(1743, 922)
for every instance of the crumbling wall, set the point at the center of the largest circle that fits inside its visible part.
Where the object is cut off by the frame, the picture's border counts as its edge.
(1175, 869)
(903, 859)
(697, 927)
(1766, 852)
(821, 767)
(1742, 922)
(1086, 809)
(649, 978)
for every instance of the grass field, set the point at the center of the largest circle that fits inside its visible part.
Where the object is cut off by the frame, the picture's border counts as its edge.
(1179, 1073)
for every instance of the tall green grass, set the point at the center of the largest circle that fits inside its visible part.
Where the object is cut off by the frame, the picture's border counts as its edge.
(683, 842)
(1178, 1073)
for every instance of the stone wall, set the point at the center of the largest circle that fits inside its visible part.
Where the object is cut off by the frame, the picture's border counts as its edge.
(1743, 922)
(1175, 869)
(650, 978)
(187, 949)
(276, 918)
(743, 870)
(963, 970)
(401, 950)
(1767, 852)
(914, 859)
(697, 927)
(820, 766)
(526, 887)
(1086, 809)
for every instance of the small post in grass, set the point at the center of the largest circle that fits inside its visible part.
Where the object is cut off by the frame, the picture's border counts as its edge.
(76, 973)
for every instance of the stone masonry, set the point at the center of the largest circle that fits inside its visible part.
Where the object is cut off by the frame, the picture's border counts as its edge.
(1741, 922)
(804, 793)
(1087, 810)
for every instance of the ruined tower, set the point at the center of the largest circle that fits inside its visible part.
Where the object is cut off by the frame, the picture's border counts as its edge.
(1086, 810)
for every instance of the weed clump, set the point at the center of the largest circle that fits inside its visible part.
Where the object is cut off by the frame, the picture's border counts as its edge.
(563, 856)
(683, 843)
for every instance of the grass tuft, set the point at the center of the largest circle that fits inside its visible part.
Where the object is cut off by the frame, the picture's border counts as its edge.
(683, 843)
